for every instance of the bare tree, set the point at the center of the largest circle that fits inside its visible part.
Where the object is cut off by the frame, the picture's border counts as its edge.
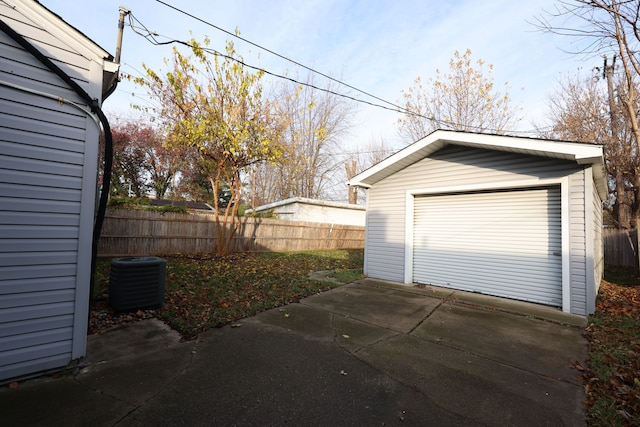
(606, 26)
(365, 157)
(581, 110)
(464, 99)
(373, 153)
(351, 168)
(317, 120)
(264, 184)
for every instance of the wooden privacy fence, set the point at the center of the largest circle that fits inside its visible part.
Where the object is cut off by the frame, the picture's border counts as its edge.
(620, 247)
(135, 233)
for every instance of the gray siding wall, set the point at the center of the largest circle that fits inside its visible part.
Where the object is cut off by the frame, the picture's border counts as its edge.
(47, 196)
(597, 250)
(598, 243)
(578, 243)
(454, 166)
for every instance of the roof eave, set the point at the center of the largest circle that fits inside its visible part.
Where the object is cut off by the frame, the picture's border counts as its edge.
(580, 153)
(74, 37)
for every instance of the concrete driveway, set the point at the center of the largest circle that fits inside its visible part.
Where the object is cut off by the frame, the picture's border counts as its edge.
(368, 353)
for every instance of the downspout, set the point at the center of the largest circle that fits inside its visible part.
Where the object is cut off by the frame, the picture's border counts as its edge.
(95, 108)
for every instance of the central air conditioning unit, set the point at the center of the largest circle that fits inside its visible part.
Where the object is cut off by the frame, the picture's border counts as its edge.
(137, 282)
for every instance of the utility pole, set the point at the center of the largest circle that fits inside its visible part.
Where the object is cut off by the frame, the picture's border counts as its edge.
(613, 112)
(123, 12)
(623, 211)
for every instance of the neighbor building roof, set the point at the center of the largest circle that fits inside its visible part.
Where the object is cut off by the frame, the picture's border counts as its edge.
(307, 202)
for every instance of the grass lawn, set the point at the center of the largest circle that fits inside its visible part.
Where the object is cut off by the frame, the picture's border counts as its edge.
(612, 377)
(203, 292)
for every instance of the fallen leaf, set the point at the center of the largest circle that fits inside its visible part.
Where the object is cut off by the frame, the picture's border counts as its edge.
(13, 385)
(577, 365)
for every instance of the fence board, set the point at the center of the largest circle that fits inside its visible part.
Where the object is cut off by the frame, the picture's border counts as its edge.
(135, 233)
(620, 247)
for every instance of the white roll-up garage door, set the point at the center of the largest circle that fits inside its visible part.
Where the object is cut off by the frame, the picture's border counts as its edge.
(504, 243)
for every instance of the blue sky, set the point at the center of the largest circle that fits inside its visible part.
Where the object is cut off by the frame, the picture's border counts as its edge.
(379, 46)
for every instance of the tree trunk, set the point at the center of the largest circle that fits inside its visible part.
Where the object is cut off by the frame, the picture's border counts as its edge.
(351, 172)
(622, 208)
(629, 103)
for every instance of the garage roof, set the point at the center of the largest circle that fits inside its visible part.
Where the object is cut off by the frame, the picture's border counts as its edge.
(579, 152)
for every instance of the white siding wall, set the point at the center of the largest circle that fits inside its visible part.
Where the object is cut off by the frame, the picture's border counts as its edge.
(47, 196)
(455, 166)
(318, 213)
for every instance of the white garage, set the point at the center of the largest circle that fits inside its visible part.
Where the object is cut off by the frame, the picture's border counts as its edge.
(519, 218)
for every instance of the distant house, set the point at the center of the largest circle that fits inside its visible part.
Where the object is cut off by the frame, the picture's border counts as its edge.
(49, 139)
(513, 217)
(310, 210)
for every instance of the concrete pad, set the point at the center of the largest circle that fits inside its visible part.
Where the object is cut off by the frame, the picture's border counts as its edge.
(135, 382)
(130, 340)
(60, 401)
(313, 323)
(526, 343)
(257, 375)
(475, 387)
(538, 311)
(381, 306)
(353, 335)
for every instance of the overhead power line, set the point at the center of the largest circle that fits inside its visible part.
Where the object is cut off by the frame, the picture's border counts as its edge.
(152, 37)
(279, 55)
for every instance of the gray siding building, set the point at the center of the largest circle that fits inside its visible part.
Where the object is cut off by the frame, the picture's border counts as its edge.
(48, 171)
(513, 217)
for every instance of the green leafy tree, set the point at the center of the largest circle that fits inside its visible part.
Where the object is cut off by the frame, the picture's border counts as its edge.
(209, 102)
(464, 99)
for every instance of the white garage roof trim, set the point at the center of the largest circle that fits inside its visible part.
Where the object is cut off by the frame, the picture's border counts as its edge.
(581, 153)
